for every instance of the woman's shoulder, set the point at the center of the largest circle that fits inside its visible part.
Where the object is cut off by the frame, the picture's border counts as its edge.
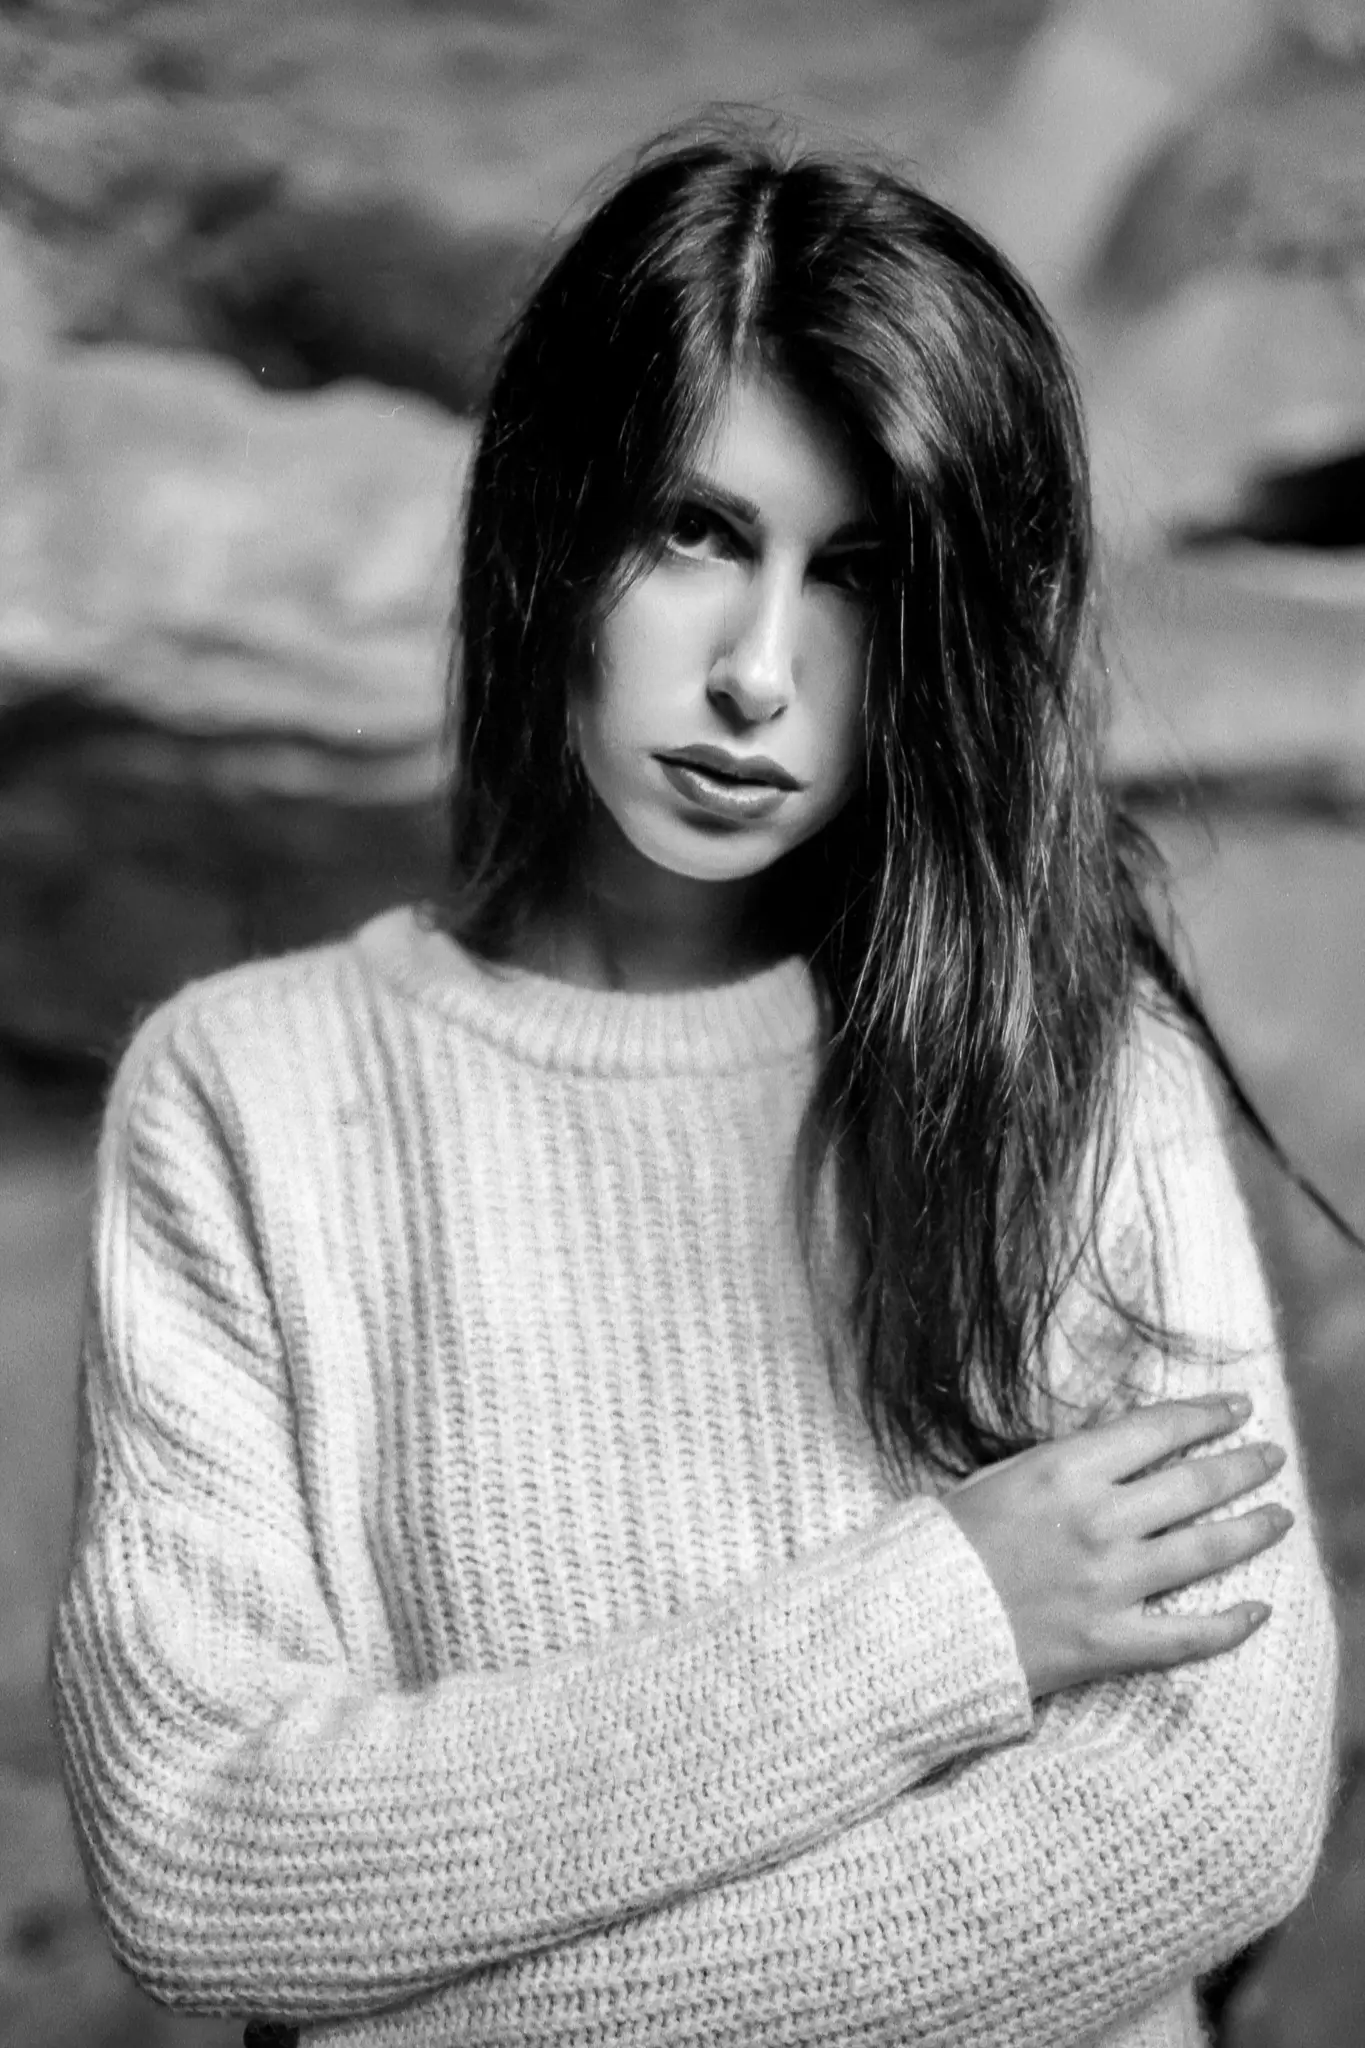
(294, 1012)
(1170, 1095)
(1164, 1228)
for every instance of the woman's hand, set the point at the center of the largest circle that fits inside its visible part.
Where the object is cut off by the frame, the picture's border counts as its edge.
(1077, 1534)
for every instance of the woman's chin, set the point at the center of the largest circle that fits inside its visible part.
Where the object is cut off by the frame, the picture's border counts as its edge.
(709, 852)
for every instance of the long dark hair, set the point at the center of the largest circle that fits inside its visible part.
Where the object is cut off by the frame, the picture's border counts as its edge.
(978, 915)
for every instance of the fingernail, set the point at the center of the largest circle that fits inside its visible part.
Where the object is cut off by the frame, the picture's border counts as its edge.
(1239, 1405)
(1257, 1612)
(1283, 1518)
(1273, 1456)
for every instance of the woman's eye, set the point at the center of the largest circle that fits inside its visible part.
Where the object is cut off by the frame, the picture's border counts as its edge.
(858, 572)
(700, 533)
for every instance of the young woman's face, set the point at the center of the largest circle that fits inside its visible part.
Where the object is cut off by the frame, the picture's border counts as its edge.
(722, 724)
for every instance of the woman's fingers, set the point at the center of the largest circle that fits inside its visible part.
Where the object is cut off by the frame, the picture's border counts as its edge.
(1079, 1533)
(1186, 1555)
(1146, 1436)
(1159, 1641)
(1179, 1492)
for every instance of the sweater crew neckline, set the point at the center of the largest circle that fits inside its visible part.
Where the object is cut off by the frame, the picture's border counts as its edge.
(768, 1016)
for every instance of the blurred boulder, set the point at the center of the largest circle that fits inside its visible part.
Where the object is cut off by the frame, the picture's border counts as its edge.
(1268, 173)
(1305, 505)
(191, 188)
(1245, 683)
(1239, 369)
(1100, 86)
(26, 322)
(1233, 411)
(300, 548)
(111, 143)
(304, 289)
(133, 858)
(1188, 187)
(133, 135)
(223, 637)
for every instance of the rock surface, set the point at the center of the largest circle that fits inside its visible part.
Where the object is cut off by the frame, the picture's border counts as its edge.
(223, 631)
(131, 143)
(1239, 671)
(1271, 175)
(303, 289)
(182, 545)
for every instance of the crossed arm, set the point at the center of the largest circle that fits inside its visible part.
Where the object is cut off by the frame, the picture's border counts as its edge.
(1027, 1898)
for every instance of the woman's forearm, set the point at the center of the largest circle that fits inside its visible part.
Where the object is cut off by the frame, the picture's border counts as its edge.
(269, 1832)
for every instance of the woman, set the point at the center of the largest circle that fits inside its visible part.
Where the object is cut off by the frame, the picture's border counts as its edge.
(635, 1478)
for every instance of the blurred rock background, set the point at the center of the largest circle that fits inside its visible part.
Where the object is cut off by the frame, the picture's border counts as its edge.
(253, 257)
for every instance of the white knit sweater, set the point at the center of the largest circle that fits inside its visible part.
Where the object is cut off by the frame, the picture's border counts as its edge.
(490, 1622)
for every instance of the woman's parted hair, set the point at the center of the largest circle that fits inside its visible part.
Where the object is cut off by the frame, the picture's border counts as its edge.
(974, 914)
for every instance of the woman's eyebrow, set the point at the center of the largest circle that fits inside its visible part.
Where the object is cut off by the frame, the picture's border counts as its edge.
(854, 533)
(859, 534)
(707, 490)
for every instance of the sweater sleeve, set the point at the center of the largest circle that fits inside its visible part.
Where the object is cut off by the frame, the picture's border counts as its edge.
(266, 1827)
(1035, 1895)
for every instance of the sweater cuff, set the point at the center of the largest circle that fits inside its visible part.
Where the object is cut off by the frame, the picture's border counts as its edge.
(954, 1679)
(882, 1661)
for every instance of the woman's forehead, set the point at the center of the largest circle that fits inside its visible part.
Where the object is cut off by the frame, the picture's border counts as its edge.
(773, 450)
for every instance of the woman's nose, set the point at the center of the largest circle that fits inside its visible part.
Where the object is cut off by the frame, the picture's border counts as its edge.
(755, 667)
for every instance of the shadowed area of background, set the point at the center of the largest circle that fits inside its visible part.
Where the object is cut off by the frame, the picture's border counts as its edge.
(253, 260)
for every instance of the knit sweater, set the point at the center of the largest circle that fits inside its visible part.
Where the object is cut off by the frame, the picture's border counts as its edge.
(490, 1619)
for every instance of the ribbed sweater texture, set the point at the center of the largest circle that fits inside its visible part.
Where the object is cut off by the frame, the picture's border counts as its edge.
(489, 1617)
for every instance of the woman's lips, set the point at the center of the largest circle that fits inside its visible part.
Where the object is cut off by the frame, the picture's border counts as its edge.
(742, 802)
(731, 767)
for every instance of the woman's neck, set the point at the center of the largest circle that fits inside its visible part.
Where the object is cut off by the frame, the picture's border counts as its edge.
(603, 953)
(623, 923)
